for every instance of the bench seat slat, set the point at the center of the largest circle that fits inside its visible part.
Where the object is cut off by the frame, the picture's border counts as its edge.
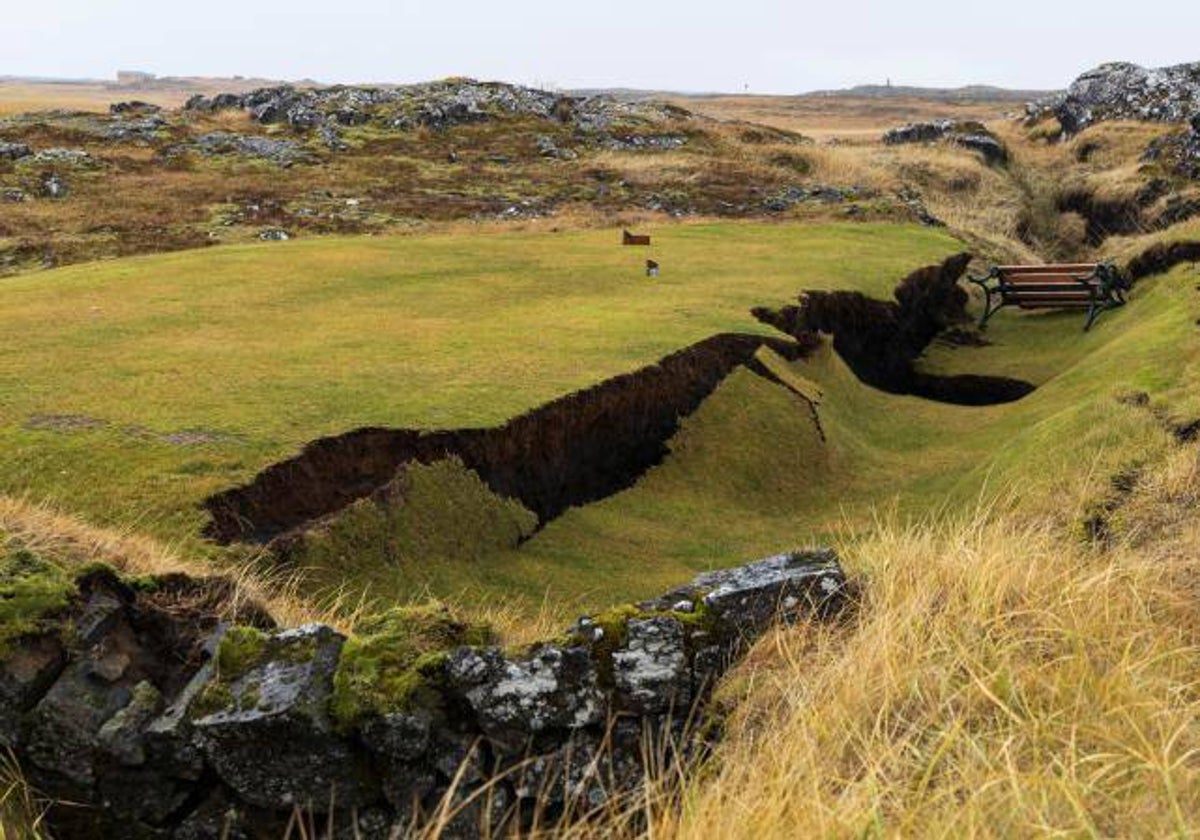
(1051, 304)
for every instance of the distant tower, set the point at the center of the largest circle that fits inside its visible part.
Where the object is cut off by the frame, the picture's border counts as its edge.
(889, 82)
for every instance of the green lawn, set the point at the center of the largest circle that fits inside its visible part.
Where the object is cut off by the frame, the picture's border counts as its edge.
(748, 475)
(268, 347)
(262, 348)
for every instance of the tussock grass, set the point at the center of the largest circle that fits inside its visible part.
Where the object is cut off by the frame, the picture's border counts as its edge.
(999, 681)
(22, 809)
(999, 678)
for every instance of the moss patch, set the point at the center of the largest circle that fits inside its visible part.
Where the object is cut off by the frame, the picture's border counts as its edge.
(241, 650)
(430, 512)
(395, 660)
(32, 591)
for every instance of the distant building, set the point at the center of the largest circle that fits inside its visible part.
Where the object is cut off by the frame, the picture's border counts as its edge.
(133, 78)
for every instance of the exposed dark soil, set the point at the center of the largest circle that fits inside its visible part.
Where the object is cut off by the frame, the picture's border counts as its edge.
(571, 451)
(880, 339)
(170, 620)
(1160, 258)
(63, 422)
(1104, 217)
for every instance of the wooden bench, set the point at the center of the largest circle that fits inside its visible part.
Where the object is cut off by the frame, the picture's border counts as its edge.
(1096, 287)
(628, 238)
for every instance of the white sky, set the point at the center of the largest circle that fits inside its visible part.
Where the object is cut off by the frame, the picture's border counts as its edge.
(697, 45)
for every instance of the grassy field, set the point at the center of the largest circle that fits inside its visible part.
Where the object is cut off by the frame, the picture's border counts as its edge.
(844, 116)
(130, 390)
(779, 487)
(133, 389)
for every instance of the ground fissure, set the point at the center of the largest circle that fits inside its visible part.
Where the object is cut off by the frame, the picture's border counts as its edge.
(577, 449)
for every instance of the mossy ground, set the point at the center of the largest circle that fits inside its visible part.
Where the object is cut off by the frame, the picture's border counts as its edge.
(33, 590)
(439, 512)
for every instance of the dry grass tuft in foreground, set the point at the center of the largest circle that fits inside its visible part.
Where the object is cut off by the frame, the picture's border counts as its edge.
(1001, 679)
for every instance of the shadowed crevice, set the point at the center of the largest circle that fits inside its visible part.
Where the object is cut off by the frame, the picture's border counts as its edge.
(568, 452)
(881, 339)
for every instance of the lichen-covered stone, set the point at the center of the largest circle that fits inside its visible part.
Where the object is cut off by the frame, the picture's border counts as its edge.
(553, 688)
(13, 151)
(651, 672)
(269, 736)
(1123, 91)
(748, 598)
(121, 736)
(969, 135)
(553, 730)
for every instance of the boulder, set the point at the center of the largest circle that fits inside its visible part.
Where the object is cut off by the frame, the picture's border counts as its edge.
(651, 672)
(969, 135)
(264, 727)
(1125, 91)
(555, 687)
(133, 107)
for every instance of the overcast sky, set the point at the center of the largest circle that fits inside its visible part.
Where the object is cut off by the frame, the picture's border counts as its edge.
(770, 45)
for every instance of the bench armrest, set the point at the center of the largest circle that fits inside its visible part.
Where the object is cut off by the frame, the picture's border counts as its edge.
(993, 274)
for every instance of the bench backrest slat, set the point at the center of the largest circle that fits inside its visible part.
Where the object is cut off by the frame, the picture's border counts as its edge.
(1052, 267)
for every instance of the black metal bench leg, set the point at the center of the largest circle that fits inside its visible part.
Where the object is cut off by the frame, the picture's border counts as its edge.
(1094, 309)
(988, 309)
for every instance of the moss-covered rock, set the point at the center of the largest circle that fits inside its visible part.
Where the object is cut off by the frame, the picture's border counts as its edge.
(395, 660)
(33, 590)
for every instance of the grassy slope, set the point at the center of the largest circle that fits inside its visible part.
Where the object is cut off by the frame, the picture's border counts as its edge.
(271, 346)
(748, 476)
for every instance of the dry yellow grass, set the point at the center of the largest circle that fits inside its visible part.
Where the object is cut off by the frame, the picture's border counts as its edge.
(1001, 679)
(76, 543)
(858, 117)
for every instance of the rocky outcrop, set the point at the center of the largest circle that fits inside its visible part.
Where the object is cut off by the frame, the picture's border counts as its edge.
(13, 151)
(156, 720)
(969, 135)
(1124, 91)
(284, 153)
(570, 451)
(1178, 152)
(437, 105)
